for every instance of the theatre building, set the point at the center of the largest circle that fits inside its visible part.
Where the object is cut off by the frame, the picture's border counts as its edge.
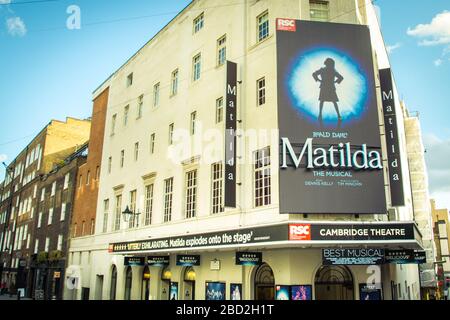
(254, 150)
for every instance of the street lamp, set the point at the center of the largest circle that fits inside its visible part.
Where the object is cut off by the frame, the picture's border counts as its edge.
(128, 214)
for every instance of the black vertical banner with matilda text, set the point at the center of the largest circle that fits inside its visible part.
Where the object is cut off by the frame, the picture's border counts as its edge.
(392, 139)
(230, 135)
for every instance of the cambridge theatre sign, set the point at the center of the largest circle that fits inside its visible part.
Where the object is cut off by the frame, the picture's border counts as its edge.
(292, 234)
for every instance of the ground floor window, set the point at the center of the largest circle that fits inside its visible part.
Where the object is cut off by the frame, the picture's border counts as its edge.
(264, 283)
(128, 283)
(113, 283)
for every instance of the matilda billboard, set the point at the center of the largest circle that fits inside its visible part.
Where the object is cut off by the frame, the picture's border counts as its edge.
(331, 160)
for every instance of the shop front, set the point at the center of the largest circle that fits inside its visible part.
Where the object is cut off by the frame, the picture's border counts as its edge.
(290, 261)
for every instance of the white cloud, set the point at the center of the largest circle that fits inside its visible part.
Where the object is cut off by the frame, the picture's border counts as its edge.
(436, 32)
(3, 157)
(5, 1)
(16, 26)
(393, 47)
(438, 62)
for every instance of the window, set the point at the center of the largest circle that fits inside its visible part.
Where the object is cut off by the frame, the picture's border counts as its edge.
(75, 230)
(92, 226)
(198, 23)
(217, 187)
(197, 66)
(171, 134)
(221, 50)
(191, 194)
(133, 223)
(88, 177)
(60, 242)
(97, 173)
(39, 220)
(219, 110)
(122, 158)
(139, 106)
(152, 143)
(53, 189)
(319, 10)
(66, 181)
(63, 212)
(193, 122)
(125, 115)
(262, 177)
(83, 225)
(118, 213)
(109, 164)
(156, 88)
(263, 26)
(174, 83)
(168, 196)
(148, 204)
(130, 80)
(113, 124)
(261, 94)
(50, 216)
(42, 194)
(105, 215)
(80, 181)
(36, 246)
(136, 151)
(47, 244)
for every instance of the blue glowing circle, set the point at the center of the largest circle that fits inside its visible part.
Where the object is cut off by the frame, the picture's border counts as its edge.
(304, 91)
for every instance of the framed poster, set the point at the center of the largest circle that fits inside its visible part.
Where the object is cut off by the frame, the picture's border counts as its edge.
(236, 291)
(301, 292)
(369, 292)
(173, 294)
(215, 291)
(282, 292)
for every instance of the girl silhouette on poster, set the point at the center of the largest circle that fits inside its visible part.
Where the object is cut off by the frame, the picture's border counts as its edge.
(328, 77)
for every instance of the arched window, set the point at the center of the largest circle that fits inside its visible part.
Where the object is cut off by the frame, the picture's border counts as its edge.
(128, 283)
(334, 283)
(113, 283)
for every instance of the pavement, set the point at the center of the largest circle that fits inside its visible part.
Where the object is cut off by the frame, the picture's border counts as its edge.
(7, 297)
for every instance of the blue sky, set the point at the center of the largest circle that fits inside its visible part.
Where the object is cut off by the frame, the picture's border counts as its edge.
(48, 72)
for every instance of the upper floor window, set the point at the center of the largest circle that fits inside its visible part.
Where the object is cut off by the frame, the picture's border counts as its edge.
(262, 177)
(152, 143)
(171, 127)
(130, 80)
(118, 213)
(66, 181)
(219, 110)
(122, 158)
(263, 26)
(156, 88)
(197, 67)
(199, 23)
(109, 164)
(319, 10)
(217, 187)
(168, 197)
(97, 173)
(221, 50)
(88, 177)
(261, 87)
(139, 106)
(105, 215)
(136, 151)
(148, 204)
(191, 194)
(113, 124)
(125, 115)
(174, 83)
(193, 122)
(134, 222)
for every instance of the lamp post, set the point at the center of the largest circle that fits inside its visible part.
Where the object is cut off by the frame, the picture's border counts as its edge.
(130, 216)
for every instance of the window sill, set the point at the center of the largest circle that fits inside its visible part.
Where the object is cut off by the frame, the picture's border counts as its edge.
(258, 43)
